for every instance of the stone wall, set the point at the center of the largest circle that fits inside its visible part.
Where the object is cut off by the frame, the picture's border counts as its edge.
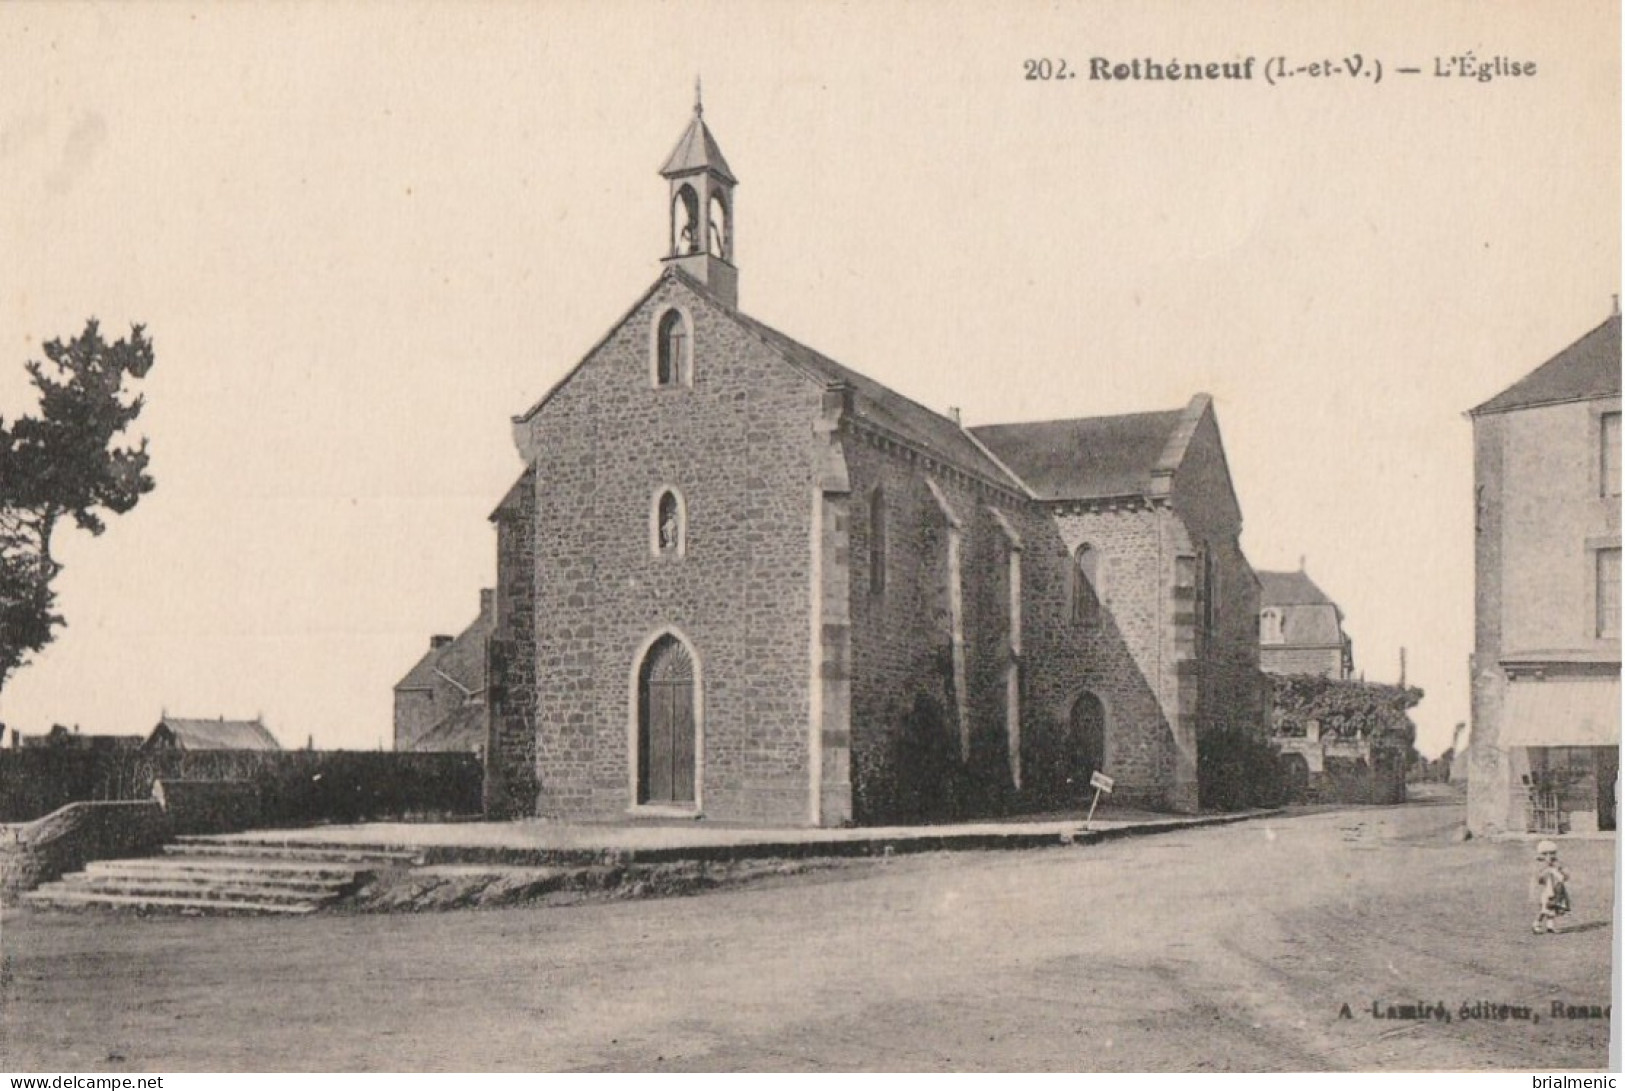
(1327, 770)
(68, 838)
(931, 647)
(824, 692)
(735, 442)
(1218, 652)
(1124, 657)
(510, 752)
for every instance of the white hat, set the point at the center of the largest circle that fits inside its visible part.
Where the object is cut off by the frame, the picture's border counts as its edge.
(1546, 846)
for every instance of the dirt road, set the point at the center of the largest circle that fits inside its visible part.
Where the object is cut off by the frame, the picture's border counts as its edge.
(1232, 948)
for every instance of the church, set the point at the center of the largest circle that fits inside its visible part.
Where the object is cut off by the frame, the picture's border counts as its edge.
(738, 581)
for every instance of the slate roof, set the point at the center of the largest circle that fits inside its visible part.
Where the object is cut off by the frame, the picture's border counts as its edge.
(1321, 625)
(463, 729)
(1084, 459)
(215, 734)
(1589, 368)
(462, 661)
(1290, 589)
(1087, 458)
(697, 150)
(926, 429)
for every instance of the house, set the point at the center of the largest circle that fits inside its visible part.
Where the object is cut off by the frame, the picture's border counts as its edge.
(440, 702)
(60, 737)
(741, 581)
(1300, 629)
(1544, 754)
(175, 733)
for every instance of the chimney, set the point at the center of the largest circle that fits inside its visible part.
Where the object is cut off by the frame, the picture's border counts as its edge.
(1615, 312)
(953, 411)
(488, 598)
(438, 641)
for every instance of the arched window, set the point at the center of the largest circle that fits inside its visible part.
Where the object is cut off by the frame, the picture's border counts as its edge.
(685, 222)
(1207, 594)
(877, 542)
(1269, 627)
(1085, 589)
(668, 535)
(673, 350)
(719, 230)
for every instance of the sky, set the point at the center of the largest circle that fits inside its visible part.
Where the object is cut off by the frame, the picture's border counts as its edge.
(363, 236)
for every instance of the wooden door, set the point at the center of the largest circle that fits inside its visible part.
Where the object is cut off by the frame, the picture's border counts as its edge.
(666, 725)
(1088, 740)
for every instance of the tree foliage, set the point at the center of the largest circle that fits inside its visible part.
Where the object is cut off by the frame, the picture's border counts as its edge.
(1343, 709)
(65, 461)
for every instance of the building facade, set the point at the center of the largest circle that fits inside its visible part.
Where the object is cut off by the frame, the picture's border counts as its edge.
(1300, 629)
(738, 580)
(1545, 668)
(440, 703)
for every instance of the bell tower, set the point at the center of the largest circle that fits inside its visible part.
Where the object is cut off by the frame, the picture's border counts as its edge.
(701, 240)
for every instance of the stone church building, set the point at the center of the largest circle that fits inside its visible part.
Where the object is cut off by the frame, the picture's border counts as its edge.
(740, 581)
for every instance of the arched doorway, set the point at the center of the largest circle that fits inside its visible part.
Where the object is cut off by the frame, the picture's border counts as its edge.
(1086, 739)
(666, 724)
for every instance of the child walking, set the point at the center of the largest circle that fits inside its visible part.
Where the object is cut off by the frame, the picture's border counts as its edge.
(1551, 887)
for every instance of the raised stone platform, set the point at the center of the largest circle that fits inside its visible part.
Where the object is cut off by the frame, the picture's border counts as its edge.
(540, 844)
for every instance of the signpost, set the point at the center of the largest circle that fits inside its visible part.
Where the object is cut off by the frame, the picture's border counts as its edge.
(1100, 782)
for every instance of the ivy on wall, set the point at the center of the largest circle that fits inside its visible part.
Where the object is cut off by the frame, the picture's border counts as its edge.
(1343, 709)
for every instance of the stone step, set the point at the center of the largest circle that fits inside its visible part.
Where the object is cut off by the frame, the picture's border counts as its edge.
(276, 850)
(165, 888)
(54, 895)
(203, 880)
(225, 865)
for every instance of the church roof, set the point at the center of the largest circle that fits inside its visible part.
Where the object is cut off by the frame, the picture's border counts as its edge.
(1587, 369)
(932, 432)
(1088, 458)
(1290, 589)
(697, 150)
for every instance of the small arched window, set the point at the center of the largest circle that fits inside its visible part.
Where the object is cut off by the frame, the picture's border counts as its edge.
(1085, 604)
(719, 230)
(877, 542)
(1269, 627)
(668, 536)
(685, 222)
(673, 349)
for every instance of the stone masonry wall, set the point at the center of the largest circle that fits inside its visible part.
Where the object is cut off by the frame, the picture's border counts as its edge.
(905, 729)
(1223, 663)
(510, 752)
(908, 761)
(736, 443)
(68, 838)
(1125, 659)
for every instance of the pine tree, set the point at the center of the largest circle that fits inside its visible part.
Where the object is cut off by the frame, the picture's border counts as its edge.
(64, 462)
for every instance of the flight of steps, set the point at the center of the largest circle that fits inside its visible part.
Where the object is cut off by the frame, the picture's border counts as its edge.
(211, 875)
